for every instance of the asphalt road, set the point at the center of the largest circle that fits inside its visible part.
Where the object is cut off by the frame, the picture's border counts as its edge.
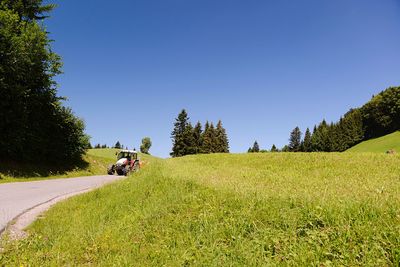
(17, 198)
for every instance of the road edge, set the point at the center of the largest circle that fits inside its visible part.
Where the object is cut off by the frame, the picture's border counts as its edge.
(15, 229)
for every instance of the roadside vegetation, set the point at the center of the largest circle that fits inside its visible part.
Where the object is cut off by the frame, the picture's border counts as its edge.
(30, 109)
(256, 209)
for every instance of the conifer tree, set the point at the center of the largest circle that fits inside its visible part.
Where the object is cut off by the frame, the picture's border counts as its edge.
(189, 141)
(307, 143)
(273, 148)
(29, 10)
(208, 138)
(351, 129)
(117, 145)
(314, 139)
(255, 148)
(321, 138)
(222, 143)
(295, 140)
(198, 137)
(213, 138)
(178, 134)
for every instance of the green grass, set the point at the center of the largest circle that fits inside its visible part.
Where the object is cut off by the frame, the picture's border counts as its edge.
(95, 162)
(110, 154)
(379, 145)
(229, 210)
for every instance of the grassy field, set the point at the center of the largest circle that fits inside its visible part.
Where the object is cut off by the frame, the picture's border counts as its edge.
(379, 145)
(229, 210)
(95, 162)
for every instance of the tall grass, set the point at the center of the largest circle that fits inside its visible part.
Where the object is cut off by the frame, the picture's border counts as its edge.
(233, 210)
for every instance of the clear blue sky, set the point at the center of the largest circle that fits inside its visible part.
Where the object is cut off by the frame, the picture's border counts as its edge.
(261, 66)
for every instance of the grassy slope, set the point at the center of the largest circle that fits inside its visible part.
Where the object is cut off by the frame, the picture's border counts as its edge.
(239, 210)
(379, 145)
(109, 153)
(95, 163)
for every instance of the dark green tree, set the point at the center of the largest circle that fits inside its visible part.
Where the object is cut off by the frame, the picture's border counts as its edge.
(307, 142)
(179, 147)
(295, 140)
(273, 148)
(206, 142)
(381, 115)
(146, 145)
(34, 124)
(190, 144)
(118, 145)
(198, 138)
(209, 138)
(321, 141)
(221, 142)
(28, 10)
(255, 148)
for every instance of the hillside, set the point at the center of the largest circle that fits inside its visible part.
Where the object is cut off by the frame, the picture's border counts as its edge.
(379, 145)
(95, 162)
(298, 209)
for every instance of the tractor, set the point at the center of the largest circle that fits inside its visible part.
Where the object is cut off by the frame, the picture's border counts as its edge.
(127, 161)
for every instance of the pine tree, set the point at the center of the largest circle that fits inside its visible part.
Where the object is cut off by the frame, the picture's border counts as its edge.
(273, 148)
(198, 138)
(222, 143)
(213, 138)
(307, 143)
(178, 134)
(351, 129)
(190, 144)
(208, 138)
(118, 145)
(29, 10)
(321, 138)
(255, 148)
(314, 140)
(295, 140)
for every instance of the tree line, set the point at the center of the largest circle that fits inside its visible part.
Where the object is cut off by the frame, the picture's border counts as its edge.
(144, 147)
(30, 110)
(256, 148)
(378, 117)
(189, 140)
